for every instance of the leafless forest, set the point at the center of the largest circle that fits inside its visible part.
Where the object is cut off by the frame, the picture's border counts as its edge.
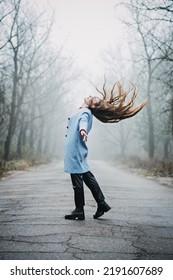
(38, 83)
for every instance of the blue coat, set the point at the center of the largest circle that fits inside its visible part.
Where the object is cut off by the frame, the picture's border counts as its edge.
(75, 149)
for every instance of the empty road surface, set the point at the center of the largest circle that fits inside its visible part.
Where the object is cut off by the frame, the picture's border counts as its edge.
(33, 204)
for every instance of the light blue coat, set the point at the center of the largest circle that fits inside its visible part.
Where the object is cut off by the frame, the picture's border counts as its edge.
(75, 149)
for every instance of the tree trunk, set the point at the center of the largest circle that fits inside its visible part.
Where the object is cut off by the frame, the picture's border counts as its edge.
(31, 139)
(151, 132)
(40, 140)
(172, 116)
(24, 134)
(150, 116)
(166, 148)
(12, 123)
(32, 129)
(19, 142)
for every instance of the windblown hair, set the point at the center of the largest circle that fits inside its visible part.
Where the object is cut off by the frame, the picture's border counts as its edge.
(114, 106)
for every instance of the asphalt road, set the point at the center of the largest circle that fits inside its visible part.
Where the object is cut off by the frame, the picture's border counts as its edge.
(33, 204)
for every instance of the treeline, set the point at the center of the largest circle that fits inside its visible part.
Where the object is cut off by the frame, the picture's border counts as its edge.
(149, 26)
(32, 81)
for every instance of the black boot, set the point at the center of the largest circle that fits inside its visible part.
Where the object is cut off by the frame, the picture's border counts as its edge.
(102, 208)
(77, 214)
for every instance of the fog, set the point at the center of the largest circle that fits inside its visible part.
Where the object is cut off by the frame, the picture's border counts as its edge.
(53, 54)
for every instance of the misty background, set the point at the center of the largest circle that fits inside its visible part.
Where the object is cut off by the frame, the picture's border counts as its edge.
(53, 54)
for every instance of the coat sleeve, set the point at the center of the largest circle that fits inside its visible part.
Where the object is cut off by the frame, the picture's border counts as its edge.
(83, 123)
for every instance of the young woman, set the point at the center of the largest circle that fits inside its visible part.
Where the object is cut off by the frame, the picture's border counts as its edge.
(110, 108)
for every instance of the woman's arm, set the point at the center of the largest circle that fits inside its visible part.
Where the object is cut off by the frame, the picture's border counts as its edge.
(83, 126)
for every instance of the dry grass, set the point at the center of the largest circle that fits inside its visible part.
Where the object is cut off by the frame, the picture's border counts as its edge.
(17, 165)
(162, 168)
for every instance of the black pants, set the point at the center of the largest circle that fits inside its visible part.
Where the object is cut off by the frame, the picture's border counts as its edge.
(89, 179)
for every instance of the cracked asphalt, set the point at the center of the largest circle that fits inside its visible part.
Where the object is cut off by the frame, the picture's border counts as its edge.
(33, 204)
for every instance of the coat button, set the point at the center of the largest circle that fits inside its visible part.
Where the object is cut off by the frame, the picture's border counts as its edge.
(67, 127)
(68, 118)
(66, 135)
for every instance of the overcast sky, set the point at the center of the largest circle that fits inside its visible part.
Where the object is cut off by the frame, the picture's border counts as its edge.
(87, 26)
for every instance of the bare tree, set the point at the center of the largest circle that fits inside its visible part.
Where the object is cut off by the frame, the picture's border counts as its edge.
(6, 9)
(117, 65)
(166, 6)
(25, 50)
(148, 27)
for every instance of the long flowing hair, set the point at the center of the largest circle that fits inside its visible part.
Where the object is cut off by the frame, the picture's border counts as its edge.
(117, 104)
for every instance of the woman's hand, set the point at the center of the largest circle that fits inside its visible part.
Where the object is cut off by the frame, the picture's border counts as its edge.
(84, 134)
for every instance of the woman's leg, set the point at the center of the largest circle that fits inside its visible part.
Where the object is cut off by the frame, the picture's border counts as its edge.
(77, 182)
(78, 213)
(94, 187)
